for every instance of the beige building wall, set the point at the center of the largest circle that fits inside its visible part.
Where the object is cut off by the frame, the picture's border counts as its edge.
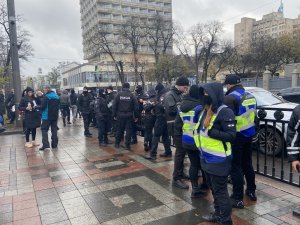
(273, 24)
(111, 14)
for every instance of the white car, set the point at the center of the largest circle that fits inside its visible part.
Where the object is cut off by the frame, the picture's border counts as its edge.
(268, 100)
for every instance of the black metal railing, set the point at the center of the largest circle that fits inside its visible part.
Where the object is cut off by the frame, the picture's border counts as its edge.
(270, 156)
(269, 147)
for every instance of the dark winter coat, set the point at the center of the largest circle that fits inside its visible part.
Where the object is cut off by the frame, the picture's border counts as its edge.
(2, 105)
(223, 128)
(188, 103)
(33, 117)
(231, 101)
(50, 106)
(84, 101)
(125, 105)
(10, 101)
(73, 98)
(293, 138)
(101, 109)
(171, 102)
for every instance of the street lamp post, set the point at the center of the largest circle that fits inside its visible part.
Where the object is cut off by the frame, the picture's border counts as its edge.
(14, 50)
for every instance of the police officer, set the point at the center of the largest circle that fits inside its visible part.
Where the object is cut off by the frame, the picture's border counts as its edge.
(84, 102)
(110, 95)
(125, 107)
(160, 126)
(293, 145)
(186, 123)
(244, 107)
(149, 119)
(141, 97)
(217, 131)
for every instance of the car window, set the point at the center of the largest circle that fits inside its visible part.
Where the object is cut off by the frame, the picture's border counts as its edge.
(264, 98)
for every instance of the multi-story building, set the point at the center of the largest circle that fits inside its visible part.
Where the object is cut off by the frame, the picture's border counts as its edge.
(111, 14)
(273, 25)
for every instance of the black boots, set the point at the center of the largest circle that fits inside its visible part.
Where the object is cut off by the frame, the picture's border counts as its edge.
(197, 192)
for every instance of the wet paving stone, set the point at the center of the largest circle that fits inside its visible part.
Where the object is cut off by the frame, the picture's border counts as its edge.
(80, 183)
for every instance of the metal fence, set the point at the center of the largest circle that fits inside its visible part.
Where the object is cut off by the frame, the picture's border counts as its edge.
(270, 157)
(276, 83)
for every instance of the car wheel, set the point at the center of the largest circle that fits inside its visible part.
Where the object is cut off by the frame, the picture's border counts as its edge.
(275, 145)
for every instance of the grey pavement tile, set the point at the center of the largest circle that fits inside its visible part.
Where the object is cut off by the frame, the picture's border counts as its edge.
(49, 208)
(66, 222)
(264, 208)
(245, 214)
(47, 200)
(85, 184)
(272, 219)
(89, 190)
(140, 218)
(54, 217)
(109, 164)
(77, 211)
(120, 221)
(71, 203)
(121, 200)
(161, 212)
(282, 211)
(180, 206)
(89, 219)
(291, 198)
(67, 188)
(46, 192)
(261, 221)
(69, 195)
(6, 217)
(6, 208)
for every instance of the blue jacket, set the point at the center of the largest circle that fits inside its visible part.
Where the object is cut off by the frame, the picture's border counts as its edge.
(50, 106)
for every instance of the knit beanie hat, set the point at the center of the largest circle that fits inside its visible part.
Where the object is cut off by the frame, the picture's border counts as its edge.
(126, 85)
(182, 81)
(195, 92)
(110, 88)
(159, 87)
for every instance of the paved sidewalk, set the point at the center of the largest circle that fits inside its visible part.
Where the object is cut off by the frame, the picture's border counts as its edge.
(82, 184)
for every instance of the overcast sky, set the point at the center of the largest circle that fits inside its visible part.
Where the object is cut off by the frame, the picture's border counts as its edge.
(56, 28)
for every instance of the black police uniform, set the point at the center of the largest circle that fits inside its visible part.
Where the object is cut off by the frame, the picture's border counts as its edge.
(124, 108)
(84, 102)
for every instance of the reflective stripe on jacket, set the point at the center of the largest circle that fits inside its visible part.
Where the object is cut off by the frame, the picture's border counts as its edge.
(246, 115)
(213, 150)
(189, 128)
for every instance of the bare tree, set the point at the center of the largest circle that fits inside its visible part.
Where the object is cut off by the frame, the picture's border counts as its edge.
(134, 33)
(54, 75)
(103, 43)
(24, 46)
(189, 44)
(159, 35)
(210, 45)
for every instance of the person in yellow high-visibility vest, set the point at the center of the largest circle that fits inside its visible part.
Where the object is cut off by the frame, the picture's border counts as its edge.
(217, 129)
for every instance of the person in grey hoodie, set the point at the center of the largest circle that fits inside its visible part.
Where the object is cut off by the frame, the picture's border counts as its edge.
(65, 105)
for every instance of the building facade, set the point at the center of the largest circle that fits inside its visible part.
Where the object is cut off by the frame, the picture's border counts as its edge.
(110, 15)
(273, 25)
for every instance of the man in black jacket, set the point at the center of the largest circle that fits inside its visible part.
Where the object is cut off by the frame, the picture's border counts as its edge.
(110, 95)
(293, 144)
(160, 126)
(84, 102)
(73, 101)
(171, 103)
(101, 111)
(124, 109)
(243, 106)
(149, 119)
(141, 97)
(10, 104)
(50, 107)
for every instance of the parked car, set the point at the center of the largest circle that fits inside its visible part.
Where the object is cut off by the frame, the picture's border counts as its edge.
(267, 99)
(291, 94)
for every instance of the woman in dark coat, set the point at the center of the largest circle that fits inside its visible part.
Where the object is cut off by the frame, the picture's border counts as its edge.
(2, 105)
(30, 105)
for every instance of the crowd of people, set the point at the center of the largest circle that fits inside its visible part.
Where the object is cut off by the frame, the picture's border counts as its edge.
(215, 130)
